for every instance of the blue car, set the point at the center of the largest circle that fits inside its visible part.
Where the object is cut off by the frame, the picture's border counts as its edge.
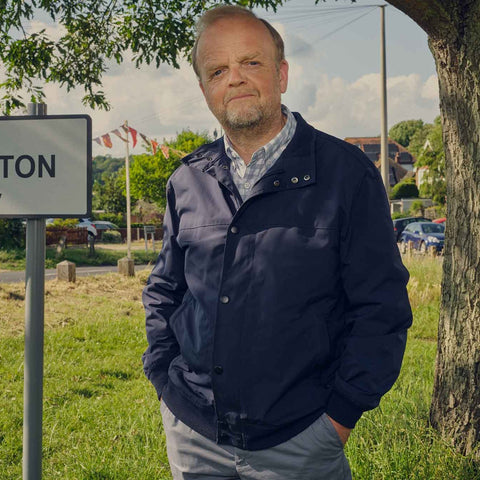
(424, 235)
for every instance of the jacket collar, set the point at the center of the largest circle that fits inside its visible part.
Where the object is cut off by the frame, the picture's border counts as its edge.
(295, 168)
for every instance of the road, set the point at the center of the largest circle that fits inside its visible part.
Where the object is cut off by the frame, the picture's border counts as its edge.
(50, 274)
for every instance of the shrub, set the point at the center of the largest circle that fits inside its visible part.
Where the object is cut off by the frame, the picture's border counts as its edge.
(12, 234)
(417, 208)
(116, 218)
(111, 236)
(404, 189)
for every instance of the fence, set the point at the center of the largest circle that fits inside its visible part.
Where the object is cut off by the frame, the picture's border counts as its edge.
(74, 236)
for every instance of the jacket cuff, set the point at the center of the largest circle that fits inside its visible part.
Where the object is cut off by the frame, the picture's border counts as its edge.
(343, 411)
(159, 380)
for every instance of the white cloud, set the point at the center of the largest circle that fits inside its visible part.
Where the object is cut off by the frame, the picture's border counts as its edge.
(345, 108)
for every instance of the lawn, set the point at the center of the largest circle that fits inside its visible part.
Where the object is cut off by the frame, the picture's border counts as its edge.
(101, 416)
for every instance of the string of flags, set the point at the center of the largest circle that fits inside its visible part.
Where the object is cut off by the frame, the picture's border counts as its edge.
(106, 140)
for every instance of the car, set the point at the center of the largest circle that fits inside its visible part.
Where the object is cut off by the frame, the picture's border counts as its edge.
(423, 235)
(400, 223)
(103, 225)
(89, 225)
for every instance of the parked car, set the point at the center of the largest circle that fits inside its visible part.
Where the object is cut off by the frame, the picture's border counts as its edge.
(89, 225)
(103, 225)
(400, 223)
(424, 235)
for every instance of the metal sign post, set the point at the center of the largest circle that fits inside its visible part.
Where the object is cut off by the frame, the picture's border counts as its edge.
(34, 329)
(45, 172)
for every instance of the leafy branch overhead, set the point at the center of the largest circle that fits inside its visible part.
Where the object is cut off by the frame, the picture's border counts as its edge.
(92, 35)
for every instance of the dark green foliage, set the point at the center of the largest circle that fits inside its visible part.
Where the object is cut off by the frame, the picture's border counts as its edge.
(405, 189)
(104, 165)
(110, 195)
(12, 234)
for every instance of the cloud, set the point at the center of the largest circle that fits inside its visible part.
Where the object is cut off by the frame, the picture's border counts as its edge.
(353, 108)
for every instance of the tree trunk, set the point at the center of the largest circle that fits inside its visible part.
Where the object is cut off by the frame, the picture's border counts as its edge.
(453, 27)
(455, 409)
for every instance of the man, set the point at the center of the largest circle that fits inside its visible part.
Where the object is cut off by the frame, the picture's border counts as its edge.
(277, 311)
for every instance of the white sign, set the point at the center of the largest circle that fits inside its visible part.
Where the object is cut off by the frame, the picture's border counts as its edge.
(45, 166)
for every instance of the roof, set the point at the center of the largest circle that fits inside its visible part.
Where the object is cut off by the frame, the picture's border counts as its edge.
(371, 146)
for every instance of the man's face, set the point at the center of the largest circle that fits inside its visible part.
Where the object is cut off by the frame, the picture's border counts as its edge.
(239, 75)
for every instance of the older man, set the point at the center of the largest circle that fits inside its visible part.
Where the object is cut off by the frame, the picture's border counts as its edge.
(277, 311)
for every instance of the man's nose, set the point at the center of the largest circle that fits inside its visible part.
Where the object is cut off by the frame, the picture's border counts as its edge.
(237, 76)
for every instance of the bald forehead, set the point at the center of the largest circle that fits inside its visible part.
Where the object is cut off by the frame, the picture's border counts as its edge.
(230, 26)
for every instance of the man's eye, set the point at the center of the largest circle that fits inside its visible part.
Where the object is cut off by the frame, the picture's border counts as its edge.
(253, 62)
(216, 73)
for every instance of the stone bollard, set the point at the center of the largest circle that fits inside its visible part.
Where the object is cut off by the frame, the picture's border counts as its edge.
(66, 271)
(126, 266)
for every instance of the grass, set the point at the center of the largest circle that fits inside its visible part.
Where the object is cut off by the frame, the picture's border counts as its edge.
(101, 416)
(104, 255)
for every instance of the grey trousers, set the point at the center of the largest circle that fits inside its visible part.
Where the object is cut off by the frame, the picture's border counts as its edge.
(314, 454)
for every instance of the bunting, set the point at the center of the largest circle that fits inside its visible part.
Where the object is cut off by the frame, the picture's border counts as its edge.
(106, 140)
(119, 135)
(165, 151)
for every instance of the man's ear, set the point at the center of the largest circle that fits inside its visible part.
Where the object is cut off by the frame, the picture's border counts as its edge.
(283, 72)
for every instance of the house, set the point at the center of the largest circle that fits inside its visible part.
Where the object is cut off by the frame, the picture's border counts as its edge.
(401, 161)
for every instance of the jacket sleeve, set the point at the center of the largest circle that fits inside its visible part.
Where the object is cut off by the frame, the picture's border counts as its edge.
(378, 311)
(162, 295)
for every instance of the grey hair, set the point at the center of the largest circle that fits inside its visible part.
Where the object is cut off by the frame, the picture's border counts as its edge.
(229, 11)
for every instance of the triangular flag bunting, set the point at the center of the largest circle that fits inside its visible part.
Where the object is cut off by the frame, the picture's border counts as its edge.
(144, 138)
(118, 134)
(165, 151)
(133, 133)
(97, 139)
(107, 141)
(154, 146)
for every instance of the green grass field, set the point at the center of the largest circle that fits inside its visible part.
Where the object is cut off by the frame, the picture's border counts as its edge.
(101, 416)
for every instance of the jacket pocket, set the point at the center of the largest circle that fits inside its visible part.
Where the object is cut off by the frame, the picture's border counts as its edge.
(194, 334)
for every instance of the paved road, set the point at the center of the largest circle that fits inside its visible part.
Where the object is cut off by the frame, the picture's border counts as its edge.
(50, 274)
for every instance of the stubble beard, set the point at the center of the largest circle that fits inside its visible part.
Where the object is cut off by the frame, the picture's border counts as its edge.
(250, 118)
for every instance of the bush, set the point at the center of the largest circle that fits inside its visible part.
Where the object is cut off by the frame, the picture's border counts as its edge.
(417, 208)
(111, 236)
(404, 189)
(116, 218)
(12, 234)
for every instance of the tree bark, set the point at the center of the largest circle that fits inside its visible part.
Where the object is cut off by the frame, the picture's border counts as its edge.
(455, 408)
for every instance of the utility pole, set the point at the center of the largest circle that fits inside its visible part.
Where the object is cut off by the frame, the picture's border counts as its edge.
(384, 162)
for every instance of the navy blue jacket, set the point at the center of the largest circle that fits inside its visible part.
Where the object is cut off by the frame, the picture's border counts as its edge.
(262, 315)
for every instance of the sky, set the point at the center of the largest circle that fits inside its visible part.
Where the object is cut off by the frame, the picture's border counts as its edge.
(333, 50)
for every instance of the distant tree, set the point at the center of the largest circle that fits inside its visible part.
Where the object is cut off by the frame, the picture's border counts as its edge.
(109, 195)
(149, 173)
(434, 183)
(403, 131)
(104, 165)
(187, 141)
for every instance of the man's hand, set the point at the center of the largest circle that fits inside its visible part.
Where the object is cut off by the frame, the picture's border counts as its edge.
(343, 432)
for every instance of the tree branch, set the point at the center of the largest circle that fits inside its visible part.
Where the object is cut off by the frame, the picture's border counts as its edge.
(435, 17)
